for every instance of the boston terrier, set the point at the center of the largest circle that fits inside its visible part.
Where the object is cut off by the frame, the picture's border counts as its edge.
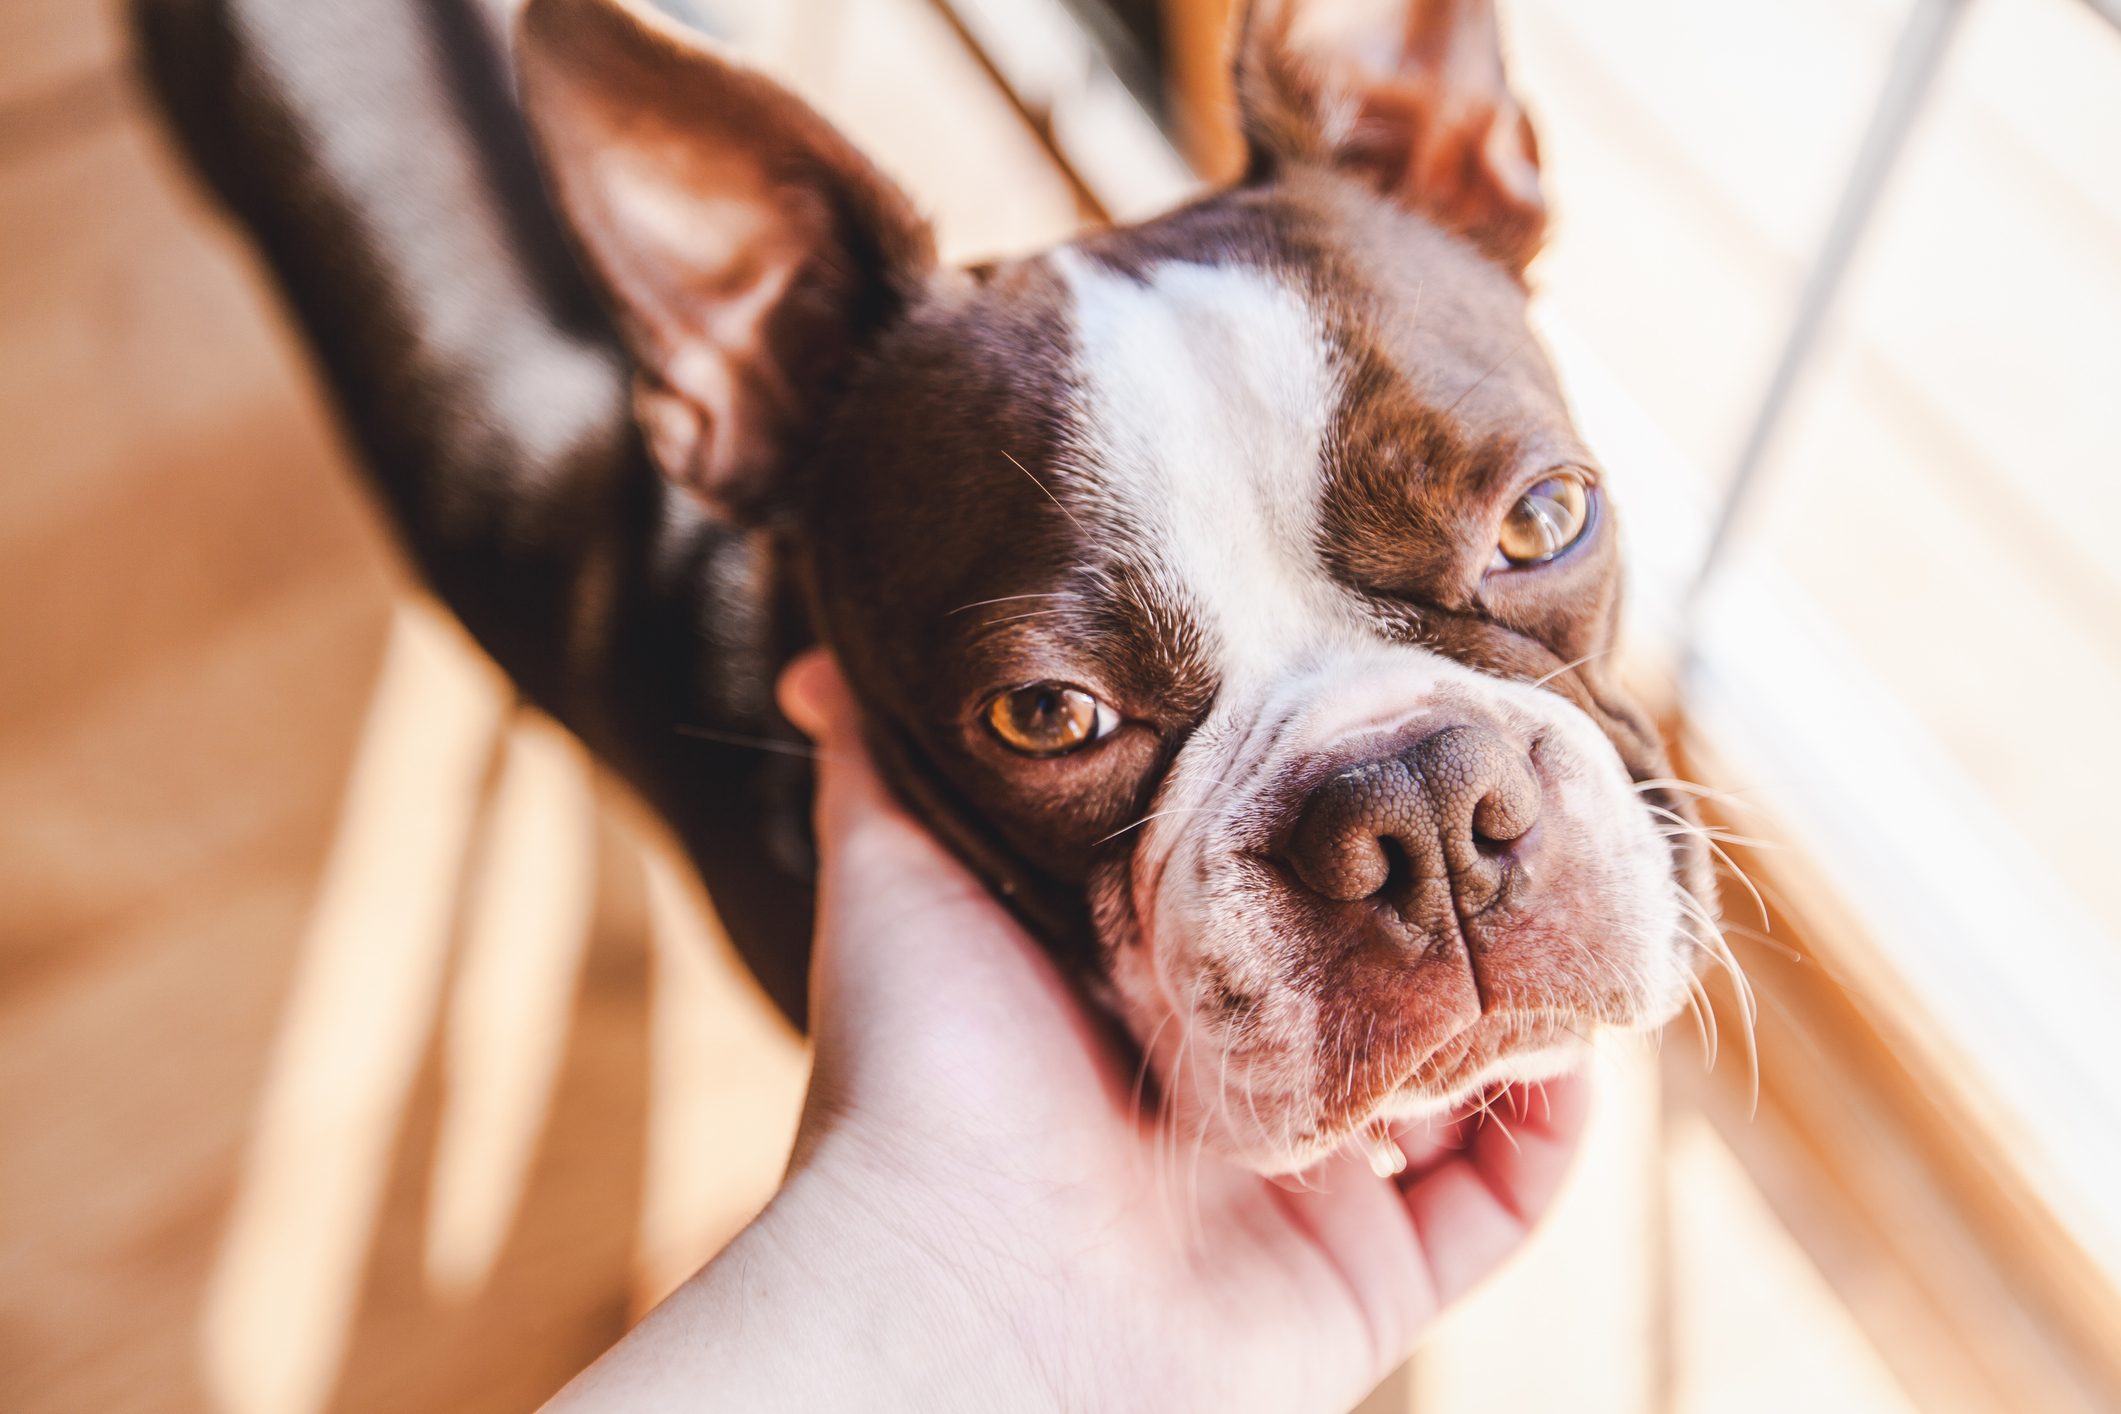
(1231, 591)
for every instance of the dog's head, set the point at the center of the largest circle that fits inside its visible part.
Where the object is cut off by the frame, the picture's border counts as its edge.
(1233, 589)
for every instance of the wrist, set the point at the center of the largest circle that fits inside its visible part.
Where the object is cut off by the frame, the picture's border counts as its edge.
(855, 1285)
(922, 1283)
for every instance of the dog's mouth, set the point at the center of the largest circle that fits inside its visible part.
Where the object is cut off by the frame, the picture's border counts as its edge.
(1305, 1021)
(1460, 1067)
(1496, 1050)
(1276, 1080)
(1465, 1072)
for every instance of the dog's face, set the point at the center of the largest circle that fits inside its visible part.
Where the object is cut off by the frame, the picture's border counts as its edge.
(1232, 589)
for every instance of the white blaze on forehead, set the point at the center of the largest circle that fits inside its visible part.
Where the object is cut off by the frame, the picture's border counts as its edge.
(1206, 395)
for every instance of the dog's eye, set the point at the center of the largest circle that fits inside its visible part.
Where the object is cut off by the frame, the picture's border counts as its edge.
(1048, 718)
(1545, 521)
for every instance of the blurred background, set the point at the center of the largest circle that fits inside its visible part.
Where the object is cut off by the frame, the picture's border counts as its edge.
(363, 1048)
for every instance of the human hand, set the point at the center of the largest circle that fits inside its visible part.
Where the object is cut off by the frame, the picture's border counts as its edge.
(982, 1211)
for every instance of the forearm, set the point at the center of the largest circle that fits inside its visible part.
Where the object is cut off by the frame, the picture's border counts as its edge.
(831, 1299)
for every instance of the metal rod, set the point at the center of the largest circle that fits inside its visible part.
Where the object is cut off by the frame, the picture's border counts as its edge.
(1035, 111)
(1917, 57)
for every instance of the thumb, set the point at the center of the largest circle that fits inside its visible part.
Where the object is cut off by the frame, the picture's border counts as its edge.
(898, 915)
(922, 984)
(850, 795)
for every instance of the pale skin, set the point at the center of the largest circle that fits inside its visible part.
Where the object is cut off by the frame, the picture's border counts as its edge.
(978, 1213)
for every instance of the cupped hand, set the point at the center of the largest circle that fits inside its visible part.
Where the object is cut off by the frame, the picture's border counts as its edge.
(985, 1208)
(955, 1060)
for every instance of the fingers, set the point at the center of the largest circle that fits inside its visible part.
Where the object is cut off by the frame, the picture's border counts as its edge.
(1475, 1186)
(1473, 1208)
(1423, 1142)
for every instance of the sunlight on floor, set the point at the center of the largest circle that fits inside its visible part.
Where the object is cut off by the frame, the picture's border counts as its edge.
(366, 992)
(462, 892)
(526, 929)
(725, 1082)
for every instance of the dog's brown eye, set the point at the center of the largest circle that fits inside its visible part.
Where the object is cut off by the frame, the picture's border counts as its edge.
(1545, 521)
(1048, 718)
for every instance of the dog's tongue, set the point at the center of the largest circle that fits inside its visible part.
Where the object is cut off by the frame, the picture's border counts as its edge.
(1386, 1161)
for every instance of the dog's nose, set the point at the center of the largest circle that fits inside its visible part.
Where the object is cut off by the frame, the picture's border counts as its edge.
(1450, 807)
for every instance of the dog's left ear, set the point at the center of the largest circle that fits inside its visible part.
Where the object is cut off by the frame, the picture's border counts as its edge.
(747, 250)
(1409, 95)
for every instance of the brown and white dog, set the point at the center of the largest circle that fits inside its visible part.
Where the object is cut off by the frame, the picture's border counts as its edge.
(1232, 589)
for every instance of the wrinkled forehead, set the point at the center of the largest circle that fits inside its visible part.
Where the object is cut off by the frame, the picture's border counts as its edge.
(1194, 436)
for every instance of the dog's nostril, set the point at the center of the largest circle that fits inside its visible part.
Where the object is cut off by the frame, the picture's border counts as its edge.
(1401, 876)
(1399, 867)
(1502, 818)
(1343, 847)
(1450, 804)
(1480, 788)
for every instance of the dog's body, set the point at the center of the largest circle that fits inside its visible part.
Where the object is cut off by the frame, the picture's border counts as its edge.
(1232, 590)
(375, 152)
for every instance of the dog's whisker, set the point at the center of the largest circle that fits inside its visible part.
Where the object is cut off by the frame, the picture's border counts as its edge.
(1493, 369)
(1697, 1007)
(1568, 667)
(1719, 835)
(1680, 828)
(1801, 959)
(1027, 614)
(1141, 1072)
(1192, 1211)
(1842, 984)
(1259, 1125)
(1484, 1115)
(1719, 948)
(1010, 599)
(1492, 1116)
(1047, 494)
(1167, 1100)
(755, 743)
(1720, 945)
(1709, 838)
(1715, 832)
(1695, 788)
(1156, 815)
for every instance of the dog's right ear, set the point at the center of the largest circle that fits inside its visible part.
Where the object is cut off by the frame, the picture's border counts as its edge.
(1409, 96)
(746, 249)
